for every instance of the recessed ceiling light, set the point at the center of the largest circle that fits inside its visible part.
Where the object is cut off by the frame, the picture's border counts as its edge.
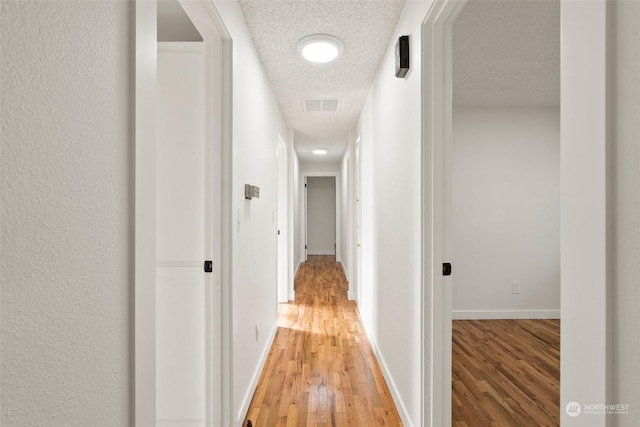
(320, 48)
(320, 151)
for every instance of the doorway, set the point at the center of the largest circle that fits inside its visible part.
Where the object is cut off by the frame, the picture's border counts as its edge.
(437, 232)
(181, 128)
(505, 209)
(321, 215)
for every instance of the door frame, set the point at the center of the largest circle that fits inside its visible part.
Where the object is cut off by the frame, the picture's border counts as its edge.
(437, 122)
(283, 268)
(355, 291)
(338, 237)
(583, 221)
(218, 47)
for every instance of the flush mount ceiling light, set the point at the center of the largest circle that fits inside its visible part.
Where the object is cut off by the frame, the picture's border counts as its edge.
(320, 151)
(320, 48)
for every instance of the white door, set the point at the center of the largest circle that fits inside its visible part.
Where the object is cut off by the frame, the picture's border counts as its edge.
(181, 238)
(358, 269)
(282, 263)
(306, 218)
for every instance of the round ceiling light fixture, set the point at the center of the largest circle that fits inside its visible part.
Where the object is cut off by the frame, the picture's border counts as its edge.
(320, 48)
(320, 151)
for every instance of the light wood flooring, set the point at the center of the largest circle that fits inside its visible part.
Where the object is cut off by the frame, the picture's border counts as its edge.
(321, 369)
(506, 373)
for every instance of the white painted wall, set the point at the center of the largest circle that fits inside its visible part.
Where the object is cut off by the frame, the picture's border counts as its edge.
(506, 212)
(625, 214)
(319, 167)
(256, 125)
(390, 128)
(321, 215)
(67, 214)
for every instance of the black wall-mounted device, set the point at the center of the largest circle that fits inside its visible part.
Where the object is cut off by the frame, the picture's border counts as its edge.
(402, 56)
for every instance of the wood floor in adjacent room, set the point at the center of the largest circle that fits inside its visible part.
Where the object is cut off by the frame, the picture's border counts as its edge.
(321, 369)
(506, 373)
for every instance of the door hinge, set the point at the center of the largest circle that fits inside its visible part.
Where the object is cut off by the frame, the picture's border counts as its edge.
(208, 266)
(305, 247)
(278, 232)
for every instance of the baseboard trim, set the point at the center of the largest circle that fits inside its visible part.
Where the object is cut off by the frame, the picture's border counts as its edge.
(344, 269)
(246, 402)
(351, 295)
(320, 252)
(504, 314)
(395, 395)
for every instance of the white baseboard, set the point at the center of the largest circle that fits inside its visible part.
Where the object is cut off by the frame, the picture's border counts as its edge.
(344, 269)
(504, 314)
(320, 252)
(351, 295)
(244, 408)
(402, 410)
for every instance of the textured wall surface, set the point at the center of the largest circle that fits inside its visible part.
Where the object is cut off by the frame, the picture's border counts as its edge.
(66, 259)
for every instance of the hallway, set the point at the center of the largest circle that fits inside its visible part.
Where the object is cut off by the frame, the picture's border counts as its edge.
(321, 369)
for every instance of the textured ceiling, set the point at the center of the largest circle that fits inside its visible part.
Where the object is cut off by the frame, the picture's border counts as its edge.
(507, 53)
(364, 27)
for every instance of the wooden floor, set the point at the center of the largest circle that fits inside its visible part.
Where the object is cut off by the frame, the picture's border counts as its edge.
(321, 370)
(506, 373)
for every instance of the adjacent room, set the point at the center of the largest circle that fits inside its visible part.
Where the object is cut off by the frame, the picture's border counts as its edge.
(506, 213)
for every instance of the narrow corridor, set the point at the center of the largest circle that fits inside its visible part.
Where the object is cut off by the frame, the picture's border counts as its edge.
(321, 369)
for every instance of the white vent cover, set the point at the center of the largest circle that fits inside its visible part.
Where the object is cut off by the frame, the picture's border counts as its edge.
(320, 105)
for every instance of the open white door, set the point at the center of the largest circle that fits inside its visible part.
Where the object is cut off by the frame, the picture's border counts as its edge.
(181, 244)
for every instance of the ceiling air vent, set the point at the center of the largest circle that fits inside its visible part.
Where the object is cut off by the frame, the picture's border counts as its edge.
(321, 105)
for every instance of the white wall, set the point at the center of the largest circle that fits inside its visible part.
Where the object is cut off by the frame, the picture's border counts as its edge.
(321, 215)
(67, 213)
(256, 125)
(506, 212)
(319, 167)
(625, 214)
(390, 129)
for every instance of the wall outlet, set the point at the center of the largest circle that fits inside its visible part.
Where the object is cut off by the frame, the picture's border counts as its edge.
(515, 287)
(257, 330)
